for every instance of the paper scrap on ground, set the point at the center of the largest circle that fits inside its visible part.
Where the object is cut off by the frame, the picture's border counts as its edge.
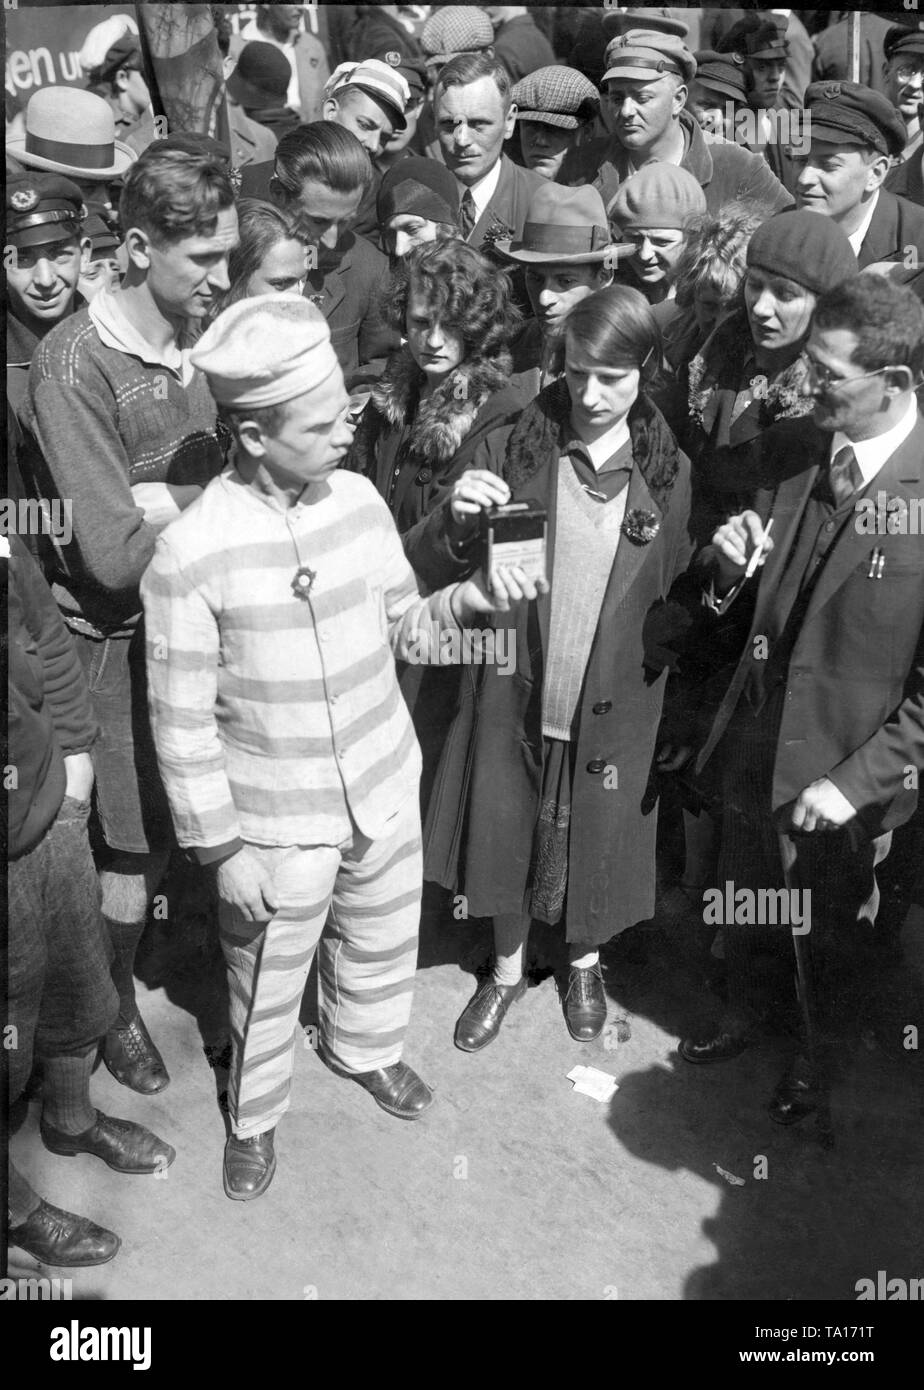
(729, 1177)
(591, 1081)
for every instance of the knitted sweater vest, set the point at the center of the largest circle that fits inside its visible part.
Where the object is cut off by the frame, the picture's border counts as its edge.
(586, 540)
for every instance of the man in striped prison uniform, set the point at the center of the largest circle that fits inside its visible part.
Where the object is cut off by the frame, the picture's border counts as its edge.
(275, 607)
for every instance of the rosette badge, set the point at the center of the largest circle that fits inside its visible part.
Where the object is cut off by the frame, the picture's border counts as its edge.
(640, 527)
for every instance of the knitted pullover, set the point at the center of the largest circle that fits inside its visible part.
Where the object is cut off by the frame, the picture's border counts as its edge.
(104, 419)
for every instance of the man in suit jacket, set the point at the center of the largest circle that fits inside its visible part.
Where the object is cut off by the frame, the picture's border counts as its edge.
(474, 116)
(821, 730)
(319, 175)
(647, 76)
(855, 132)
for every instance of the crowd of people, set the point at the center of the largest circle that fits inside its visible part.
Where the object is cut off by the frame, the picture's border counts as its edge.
(271, 386)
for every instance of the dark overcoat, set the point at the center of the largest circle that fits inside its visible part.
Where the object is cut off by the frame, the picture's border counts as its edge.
(485, 803)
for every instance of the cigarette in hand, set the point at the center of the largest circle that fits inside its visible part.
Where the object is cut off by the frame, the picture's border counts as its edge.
(759, 553)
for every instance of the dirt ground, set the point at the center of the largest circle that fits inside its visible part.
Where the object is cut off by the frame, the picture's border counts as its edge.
(513, 1187)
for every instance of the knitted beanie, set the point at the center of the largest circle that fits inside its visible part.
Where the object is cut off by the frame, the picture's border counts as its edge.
(806, 247)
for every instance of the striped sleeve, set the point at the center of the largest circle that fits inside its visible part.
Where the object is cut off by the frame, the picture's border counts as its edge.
(182, 664)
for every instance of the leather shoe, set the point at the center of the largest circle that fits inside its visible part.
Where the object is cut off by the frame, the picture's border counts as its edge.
(479, 1022)
(132, 1058)
(585, 1003)
(720, 1047)
(795, 1098)
(397, 1089)
(249, 1166)
(121, 1144)
(59, 1237)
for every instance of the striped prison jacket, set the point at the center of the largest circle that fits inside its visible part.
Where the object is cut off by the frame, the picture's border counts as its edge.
(278, 718)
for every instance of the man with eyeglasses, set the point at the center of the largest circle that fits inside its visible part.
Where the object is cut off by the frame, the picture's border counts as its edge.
(903, 69)
(824, 716)
(855, 135)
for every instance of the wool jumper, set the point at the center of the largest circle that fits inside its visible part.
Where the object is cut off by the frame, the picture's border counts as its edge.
(586, 541)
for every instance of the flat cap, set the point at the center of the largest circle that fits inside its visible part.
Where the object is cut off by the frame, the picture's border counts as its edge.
(455, 29)
(556, 96)
(756, 36)
(720, 73)
(42, 208)
(619, 21)
(645, 55)
(657, 195)
(849, 113)
(265, 350)
(904, 42)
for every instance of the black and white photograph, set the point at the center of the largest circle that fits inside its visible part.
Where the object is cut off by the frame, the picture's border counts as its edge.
(463, 550)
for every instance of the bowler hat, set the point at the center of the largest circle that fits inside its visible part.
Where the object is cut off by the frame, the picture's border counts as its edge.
(564, 226)
(71, 132)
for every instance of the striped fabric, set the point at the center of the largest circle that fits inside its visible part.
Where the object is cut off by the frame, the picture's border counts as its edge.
(277, 718)
(369, 895)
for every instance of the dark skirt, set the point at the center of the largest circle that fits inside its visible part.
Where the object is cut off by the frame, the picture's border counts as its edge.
(548, 874)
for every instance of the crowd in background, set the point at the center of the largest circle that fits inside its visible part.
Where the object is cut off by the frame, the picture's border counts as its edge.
(655, 273)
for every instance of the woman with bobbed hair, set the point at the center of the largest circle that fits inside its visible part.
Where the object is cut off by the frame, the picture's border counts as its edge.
(270, 258)
(443, 406)
(543, 806)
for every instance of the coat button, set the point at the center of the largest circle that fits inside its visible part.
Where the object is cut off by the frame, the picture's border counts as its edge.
(603, 706)
(596, 765)
(424, 476)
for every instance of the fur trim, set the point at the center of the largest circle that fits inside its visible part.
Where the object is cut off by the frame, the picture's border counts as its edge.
(543, 431)
(440, 423)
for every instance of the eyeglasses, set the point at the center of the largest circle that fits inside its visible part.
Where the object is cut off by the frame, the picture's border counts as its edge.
(831, 382)
(908, 71)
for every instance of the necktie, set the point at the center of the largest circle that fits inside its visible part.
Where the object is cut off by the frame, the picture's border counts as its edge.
(844, 475)
(468, 214)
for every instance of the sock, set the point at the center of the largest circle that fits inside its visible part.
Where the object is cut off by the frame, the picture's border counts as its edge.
(23, 1199)
(124, 937)
(579, 958)
(511, 933)
(66, 1098)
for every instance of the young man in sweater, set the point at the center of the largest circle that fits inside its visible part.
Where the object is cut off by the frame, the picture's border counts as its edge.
(275, 608)
(125, 432)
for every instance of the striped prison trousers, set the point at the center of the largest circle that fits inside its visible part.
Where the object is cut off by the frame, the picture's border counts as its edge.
(358, 903)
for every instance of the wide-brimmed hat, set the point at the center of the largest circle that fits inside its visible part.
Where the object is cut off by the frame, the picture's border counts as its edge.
(564, 226)
(71, 132)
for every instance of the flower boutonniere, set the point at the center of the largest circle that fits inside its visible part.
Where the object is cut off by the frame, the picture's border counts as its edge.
(497, 231)
(640, 527)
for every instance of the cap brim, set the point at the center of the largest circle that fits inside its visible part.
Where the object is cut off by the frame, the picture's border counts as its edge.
(520, 257)
(724, 89)
(640, 73)
(836, 135)
(47, 234)
(770, 53)
(550, 118)
(125, 158)
(397, 116)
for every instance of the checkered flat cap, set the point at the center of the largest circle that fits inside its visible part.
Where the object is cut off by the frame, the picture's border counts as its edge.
(456, 29)
(556, 96)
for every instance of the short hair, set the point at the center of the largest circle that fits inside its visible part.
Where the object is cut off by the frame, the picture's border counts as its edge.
(172, 194)
(261, 226)
(714, 250)
(466, 68)
(325, 153)
(613, 326)
(888, 321)
(270, 418)
(470, 294)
